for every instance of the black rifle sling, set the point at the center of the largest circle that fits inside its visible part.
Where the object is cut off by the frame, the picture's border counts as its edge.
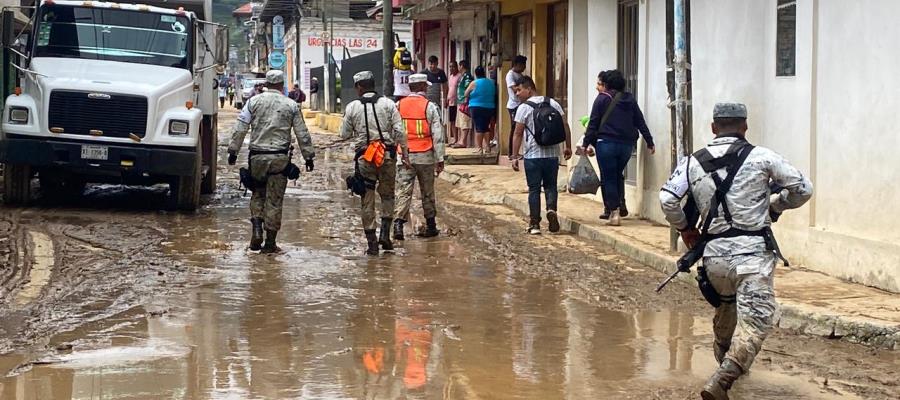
(723, 185)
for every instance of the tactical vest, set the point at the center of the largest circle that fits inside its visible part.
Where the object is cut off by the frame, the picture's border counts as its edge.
(413, 110)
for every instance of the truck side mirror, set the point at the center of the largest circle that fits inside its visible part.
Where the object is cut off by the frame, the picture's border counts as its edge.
(221, 41)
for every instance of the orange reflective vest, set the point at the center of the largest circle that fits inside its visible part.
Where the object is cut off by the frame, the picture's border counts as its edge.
(413, 110)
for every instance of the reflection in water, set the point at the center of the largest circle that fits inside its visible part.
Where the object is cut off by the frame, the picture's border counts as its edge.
(431, 322)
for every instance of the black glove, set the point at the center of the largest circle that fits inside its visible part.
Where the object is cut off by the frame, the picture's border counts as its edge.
(773, 215)
(310, 164)
(232, 158)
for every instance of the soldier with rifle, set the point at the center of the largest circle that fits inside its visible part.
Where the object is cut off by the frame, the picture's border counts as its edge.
(729, 183)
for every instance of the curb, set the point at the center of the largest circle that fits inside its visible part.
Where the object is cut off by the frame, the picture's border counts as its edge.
(794, 316)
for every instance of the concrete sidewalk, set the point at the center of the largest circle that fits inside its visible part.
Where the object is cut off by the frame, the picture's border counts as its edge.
(811, 302)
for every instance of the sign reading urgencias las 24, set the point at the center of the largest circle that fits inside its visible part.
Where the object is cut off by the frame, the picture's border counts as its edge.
(350, 43)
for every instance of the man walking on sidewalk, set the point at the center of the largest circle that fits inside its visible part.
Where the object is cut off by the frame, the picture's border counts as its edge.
(512, 104)
(541, 162)
(375, 129)
(271, 116)
(425, 138)
(738, 248)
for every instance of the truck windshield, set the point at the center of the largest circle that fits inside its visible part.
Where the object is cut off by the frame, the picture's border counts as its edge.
(113, 35)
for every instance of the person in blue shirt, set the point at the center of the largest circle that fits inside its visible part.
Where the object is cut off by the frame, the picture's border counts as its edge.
(482, 98)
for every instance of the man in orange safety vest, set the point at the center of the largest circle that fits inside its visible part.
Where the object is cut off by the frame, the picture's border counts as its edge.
(425, 140)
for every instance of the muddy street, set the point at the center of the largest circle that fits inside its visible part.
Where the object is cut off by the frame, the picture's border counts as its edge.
(106, 297)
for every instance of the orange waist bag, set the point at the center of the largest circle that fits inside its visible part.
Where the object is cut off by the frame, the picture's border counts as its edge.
(375, 153)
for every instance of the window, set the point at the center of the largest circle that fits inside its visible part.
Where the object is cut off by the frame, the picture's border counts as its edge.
(628, 64)
(786, 39)
(113, 35)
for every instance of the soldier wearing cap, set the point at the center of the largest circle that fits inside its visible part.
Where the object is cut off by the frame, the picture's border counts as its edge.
(369, 119)
(269, 117)
(425, 138)
(740, 253)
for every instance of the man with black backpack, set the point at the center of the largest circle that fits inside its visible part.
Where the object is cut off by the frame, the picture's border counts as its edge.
(375, 129)
(541, 126)
(729, 183)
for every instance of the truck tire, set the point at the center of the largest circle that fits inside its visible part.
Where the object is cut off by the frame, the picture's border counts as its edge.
(184, 191)
(17, 184)
(210, 145)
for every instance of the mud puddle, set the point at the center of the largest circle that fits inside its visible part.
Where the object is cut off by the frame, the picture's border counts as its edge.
(478, 313)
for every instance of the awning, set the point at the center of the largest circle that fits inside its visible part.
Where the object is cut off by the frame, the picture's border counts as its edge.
(245, 11)
(285, 8)
(440, 9)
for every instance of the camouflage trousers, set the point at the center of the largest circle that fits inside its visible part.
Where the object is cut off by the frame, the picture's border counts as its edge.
(741, 327)
(406, 179)
(385, 179)
(267, 200)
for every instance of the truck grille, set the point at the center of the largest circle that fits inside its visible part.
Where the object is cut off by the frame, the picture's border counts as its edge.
(116, 115)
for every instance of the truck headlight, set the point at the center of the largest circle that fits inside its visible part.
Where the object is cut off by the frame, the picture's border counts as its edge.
(18, 115)
(178, 128)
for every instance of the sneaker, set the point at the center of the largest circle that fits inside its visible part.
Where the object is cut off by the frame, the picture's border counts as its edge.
(614, 219)
(605, 215)
(553, 221)
(534, 229)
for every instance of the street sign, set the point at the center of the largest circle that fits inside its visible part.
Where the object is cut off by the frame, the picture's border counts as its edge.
(277, 59)
(278, 32)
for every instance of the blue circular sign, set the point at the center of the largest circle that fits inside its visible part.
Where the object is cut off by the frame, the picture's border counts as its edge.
(277, 59)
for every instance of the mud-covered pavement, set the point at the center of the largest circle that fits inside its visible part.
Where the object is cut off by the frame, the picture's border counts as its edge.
(107, 297)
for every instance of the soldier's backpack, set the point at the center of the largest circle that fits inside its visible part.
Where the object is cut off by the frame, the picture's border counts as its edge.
(549, 127)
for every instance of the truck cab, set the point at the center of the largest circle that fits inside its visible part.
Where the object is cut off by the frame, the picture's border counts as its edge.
(115, 93)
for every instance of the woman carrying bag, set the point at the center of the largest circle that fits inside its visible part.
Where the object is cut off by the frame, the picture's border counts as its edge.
(614, 138)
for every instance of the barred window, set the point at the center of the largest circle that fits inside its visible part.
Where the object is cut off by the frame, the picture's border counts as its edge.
(786, 39)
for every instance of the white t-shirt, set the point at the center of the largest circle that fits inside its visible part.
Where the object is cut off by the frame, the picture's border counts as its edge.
(511, 78)
(524, 116)
(401, 82)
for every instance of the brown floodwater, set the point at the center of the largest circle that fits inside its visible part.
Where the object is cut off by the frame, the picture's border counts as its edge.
(443, 318)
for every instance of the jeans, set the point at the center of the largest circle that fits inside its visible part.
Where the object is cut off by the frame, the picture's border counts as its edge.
(613, 157)
(541, 172)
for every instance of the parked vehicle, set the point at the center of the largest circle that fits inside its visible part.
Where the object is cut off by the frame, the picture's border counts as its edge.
(116, 93)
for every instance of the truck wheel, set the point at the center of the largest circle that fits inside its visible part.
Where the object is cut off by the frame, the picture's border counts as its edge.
(17, 184)
(209, 136)
(184, 191)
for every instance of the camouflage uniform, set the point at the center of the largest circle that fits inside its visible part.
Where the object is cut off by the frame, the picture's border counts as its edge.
(271, 116)
(423, 168)
(740, 266)
(353, 128)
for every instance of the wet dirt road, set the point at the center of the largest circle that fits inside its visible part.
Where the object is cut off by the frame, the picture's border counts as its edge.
(133, 303)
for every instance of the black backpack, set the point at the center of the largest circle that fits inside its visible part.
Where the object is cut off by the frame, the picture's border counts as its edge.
(549, 127)
(405, 58)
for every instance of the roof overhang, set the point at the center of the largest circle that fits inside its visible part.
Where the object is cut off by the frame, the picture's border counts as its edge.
(442, 9)
(287, 9)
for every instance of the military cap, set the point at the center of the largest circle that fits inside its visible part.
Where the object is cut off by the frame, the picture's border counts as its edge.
(363, 76)
(730, 110)
(419, 78)
(275, 76)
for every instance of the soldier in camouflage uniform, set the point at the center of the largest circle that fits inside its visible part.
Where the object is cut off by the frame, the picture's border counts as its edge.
(271, 116)
(371, 118)
(425, 140)
(738, 261)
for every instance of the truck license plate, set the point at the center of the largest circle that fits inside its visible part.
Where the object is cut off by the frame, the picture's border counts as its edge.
(89, 152)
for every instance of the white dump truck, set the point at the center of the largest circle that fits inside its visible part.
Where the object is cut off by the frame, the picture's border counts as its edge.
(115, 93)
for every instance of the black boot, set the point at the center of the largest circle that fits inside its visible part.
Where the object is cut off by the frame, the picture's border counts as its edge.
(398, 229)
(384, 238)
(372, 240)
(720, 382)
(270, 246)
(431, 229)
(257, 238)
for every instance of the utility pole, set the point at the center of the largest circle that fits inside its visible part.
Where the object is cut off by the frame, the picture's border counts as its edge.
(388, 44)
(680, 66)
(326, 41)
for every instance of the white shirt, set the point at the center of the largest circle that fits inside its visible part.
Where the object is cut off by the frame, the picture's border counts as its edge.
(511, 78)
(524, 116)
(401, 82)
